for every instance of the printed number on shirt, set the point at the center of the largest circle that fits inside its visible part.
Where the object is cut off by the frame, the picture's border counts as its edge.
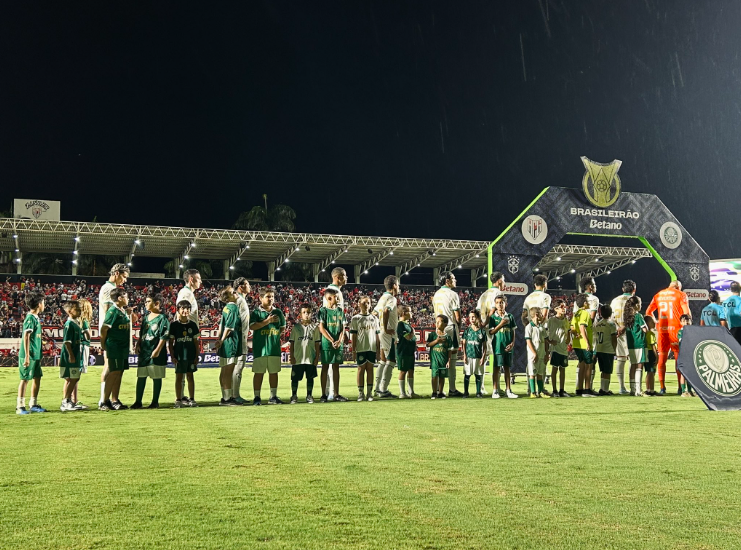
(665, 310)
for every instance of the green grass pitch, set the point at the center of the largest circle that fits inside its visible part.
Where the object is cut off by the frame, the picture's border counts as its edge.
(617, 472)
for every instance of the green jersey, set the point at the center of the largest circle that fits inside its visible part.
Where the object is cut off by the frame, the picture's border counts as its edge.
(439, 352)
(185, 335)
(266, 340)
(232, 345)
(474, 342)
(119, 329)
(334, 323)
(404, 347)
(635, 336)
(73, 335)
(85, 330)
(31, 324)
(505, 335)
(152, 332)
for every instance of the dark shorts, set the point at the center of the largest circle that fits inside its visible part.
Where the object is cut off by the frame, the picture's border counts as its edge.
(298, 371)
(33, 370)
(651, 360)
(439, 372)
(117, 363)
(605, 361)
(184, 367)
(503, 360)
(584, 356)
(558, 360)
(406, 363)
(366, 357)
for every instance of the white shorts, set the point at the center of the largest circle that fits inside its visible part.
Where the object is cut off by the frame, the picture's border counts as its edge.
(386, 340)
(637, 356)
(622, 346)
(452, 331)
(72, 373)
(473, 367)
(226, 361)
(535, 368)
(241, 361)
(155, 372)
(270, 364)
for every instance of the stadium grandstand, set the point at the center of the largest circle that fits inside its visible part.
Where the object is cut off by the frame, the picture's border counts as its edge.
(19, 236)
(323, 252)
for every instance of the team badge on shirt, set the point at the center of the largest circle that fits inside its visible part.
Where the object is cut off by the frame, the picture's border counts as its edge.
(601, 183)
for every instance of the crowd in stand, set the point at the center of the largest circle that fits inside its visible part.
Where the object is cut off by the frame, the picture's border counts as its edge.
(288, 297)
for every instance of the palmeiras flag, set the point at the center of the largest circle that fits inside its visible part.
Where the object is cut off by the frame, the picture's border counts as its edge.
(709, 359)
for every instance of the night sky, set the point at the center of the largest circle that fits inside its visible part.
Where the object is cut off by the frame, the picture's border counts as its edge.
(426, 119)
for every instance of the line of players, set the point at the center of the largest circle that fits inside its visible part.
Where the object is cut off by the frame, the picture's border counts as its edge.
(379, 337)
(620, 334)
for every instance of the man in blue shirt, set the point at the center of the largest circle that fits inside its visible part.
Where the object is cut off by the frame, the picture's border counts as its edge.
(713, 314)
(733, 311)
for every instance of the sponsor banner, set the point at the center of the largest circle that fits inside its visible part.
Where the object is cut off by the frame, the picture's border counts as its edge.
(701, 294)
(709, 359)
(515, 289)
(36, 209)
(211, 334)
(206, 360)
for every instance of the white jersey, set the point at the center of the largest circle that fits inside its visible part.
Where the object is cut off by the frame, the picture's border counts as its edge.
(592, 304)
(104, 302)
(537, 335)
(446, 302)
(244, 316)
(187, 294)
(603, 331)
(558, 334)
(538, 299)
(304, 338)
(618, 307)
(486, 300)
(340, 298)
(367, 329)
(388, 302)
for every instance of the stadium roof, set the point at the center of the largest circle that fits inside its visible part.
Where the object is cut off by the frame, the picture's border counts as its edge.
(588, 260)
(276, 248)
(231, 245)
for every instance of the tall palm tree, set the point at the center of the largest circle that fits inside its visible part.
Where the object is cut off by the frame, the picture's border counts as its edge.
(96, 265)
(243, 268)
(274, 218)
(47, 264)
(261, 218)
(295, 272)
